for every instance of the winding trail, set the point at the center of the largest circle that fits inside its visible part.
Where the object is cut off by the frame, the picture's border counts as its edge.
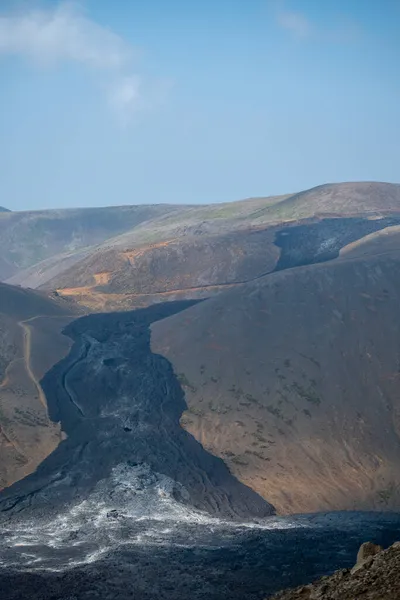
(27, 358)
(27, 355)
(9, 436)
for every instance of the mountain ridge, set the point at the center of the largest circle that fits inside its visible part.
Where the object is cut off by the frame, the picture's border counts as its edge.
(163, 222)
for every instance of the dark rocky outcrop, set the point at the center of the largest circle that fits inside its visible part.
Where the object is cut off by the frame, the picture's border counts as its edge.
(366, 553)
(311, 242)
(376, 576)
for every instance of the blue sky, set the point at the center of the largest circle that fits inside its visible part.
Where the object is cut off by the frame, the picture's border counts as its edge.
(121, 102)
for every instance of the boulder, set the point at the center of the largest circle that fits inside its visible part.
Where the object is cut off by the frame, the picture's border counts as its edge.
(366, 550)
(365, 556)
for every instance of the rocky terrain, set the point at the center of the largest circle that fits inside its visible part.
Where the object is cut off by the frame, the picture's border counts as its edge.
(376, 576)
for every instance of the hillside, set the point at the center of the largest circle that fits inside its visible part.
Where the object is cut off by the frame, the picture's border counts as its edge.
(359, 198)
(188, 267)
(182, 223)
(200, 267)
(2, 209)
(27, 238)
(266, 404)
(122, 229)
(30, 343)
(199, 251)
(293, 380)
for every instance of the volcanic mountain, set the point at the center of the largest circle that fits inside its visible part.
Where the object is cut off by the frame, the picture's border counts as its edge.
(287, 367)
(182, 367)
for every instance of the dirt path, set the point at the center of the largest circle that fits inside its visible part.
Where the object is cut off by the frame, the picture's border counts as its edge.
(27, 332)
(27, 358)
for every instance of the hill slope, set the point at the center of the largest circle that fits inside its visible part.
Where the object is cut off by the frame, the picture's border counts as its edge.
(198, 251)
(358, 198)
(27, 238)
(128, 229)
(293, 380)
(30, 343)
(182, 223)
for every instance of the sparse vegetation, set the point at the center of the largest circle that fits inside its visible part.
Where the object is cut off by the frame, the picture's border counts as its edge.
(258, 455)
(274, 411)
(308, 394)
(183, 380)
(388, 493)
(239, 461)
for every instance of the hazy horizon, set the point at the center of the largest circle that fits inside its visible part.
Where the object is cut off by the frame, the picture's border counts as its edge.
(188, 103)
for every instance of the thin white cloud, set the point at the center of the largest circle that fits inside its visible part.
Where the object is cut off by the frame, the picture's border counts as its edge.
(295, 22)
(124, 96)
(65, 34)
(301, 26)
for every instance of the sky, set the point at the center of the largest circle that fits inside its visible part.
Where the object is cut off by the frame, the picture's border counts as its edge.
(106, 102)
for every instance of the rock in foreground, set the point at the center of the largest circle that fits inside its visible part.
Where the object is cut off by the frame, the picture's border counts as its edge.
(374, 577)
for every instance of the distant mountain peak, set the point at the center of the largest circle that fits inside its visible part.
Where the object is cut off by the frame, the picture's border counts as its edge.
(2, 209)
